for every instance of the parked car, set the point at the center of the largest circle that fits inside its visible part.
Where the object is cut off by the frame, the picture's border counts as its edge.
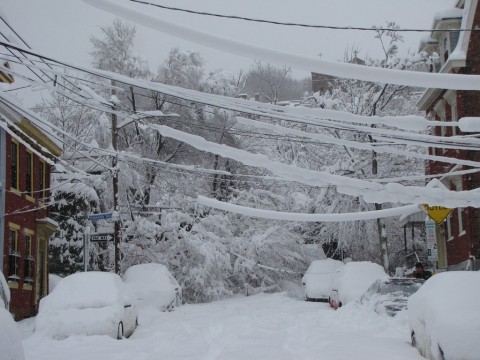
(10, 342)
(444, 316)
(153, 285)
(88, 303)
(390, 296)
(353, 280)
(318, 279)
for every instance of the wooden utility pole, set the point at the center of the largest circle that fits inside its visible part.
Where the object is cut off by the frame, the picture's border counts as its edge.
(116, 209)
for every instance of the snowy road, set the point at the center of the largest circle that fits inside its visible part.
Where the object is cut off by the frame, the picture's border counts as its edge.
(264, 326)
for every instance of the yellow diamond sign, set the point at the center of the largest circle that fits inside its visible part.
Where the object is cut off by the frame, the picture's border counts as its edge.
(436, 213)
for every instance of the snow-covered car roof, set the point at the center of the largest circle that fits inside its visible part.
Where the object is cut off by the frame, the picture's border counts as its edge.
(86, 290)
(447, 307)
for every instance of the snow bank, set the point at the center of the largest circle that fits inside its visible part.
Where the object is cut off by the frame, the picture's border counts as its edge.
(445, 313)
(318, 278)
(153, 285)
(355, 278)
(10, 343)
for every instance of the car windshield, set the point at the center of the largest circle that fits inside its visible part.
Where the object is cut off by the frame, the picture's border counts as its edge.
(406, 288)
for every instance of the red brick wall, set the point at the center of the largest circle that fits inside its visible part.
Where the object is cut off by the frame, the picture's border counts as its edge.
(24, 213)
(468, 104)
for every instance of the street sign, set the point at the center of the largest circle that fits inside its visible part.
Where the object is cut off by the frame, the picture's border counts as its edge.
(430, 232)
(99, 237)
(104, 216)
(436, 213)
(432, 252)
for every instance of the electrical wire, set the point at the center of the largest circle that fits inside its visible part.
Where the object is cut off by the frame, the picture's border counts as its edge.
(273, 22)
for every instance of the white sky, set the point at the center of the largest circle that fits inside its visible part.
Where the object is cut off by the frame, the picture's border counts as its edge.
(62, 27)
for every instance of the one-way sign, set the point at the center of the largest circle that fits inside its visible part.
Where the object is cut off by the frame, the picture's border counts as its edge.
(101, 237)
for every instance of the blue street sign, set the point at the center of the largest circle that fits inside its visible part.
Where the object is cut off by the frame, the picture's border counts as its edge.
(95, 217)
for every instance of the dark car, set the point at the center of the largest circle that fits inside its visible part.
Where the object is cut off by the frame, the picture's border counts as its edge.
(390, 296)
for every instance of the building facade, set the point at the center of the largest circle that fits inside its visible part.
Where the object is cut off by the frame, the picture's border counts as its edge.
(458, 238)
(26, 154)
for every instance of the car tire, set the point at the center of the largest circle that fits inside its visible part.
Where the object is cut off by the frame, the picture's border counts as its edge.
(414, 339)
(120, 331)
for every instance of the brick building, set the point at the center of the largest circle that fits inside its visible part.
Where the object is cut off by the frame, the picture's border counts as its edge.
(458, 238)
(25, 157)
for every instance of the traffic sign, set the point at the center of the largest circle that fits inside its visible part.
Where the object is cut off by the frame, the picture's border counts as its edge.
(436, 213)
(99, 237)
(104, 216)
(432, 252)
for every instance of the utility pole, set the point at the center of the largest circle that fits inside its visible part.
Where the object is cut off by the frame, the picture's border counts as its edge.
(116, 209)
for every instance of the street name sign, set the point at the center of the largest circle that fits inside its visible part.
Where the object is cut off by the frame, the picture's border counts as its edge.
(436, 213)
(101, 237)
(104, 216)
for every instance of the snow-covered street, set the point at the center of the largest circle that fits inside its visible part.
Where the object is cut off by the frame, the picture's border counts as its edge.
(264, 326)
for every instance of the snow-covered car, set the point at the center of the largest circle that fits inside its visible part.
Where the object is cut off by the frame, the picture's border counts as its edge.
(318, 279)
(444, 316)
(153, 285)
(390, 296)
(4, 293)
(88, 303)
(353, 280)
(10, 342)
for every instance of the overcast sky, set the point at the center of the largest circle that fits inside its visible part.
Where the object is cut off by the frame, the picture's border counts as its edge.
(62, 28)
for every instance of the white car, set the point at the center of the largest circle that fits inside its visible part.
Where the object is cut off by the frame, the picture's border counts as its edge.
(153, 285)
(10, 342)
(353, 280)
(88, 303)
(318, 279)
(444, 316)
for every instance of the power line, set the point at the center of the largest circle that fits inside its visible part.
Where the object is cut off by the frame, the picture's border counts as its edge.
(314, 26)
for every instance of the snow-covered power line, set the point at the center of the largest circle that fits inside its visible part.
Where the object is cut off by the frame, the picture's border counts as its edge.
(295, 24)
(370, 191)
(341, 70)
(287, 216)
(299, 115)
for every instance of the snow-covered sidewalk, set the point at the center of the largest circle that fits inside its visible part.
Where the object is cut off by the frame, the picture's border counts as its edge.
(264, 326)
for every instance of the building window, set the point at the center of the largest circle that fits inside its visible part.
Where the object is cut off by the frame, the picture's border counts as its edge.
(14, 166)
(29, 175)
(42, 182)
(29, 259)
(13, 254)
